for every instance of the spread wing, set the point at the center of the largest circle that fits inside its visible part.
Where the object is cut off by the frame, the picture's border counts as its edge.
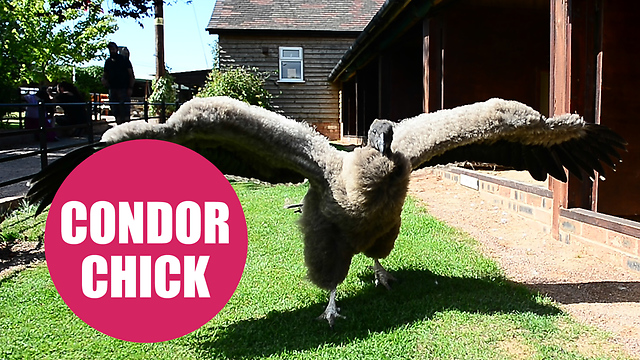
(508, 133)
(238, 138)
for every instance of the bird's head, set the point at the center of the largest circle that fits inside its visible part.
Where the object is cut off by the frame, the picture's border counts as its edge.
(381, 135)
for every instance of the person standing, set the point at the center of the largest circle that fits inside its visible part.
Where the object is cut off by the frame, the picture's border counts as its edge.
(119, 79)
(32, 113)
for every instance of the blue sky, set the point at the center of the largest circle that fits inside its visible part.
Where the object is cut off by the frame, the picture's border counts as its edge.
(187, 44)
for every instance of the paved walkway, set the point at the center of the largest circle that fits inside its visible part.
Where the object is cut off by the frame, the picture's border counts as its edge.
(30, 165)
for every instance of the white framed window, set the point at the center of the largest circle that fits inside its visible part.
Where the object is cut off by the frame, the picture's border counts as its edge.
(291, 64)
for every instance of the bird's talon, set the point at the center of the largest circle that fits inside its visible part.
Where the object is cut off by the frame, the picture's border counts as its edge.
(330, 316)
(382, 276)
(331, 313)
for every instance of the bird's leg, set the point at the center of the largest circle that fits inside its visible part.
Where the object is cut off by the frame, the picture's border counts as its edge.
(331, 312)
(382, 276)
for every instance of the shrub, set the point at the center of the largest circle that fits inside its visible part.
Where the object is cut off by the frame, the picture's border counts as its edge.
(163, 90)
(245, 84)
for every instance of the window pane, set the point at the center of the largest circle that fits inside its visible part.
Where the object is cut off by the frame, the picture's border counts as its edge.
(291, 70)
(289, 53)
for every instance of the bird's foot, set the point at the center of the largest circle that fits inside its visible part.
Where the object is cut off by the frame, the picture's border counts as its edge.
(382, 276)
(331, 313)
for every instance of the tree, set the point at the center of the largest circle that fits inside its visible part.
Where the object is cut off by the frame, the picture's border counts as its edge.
(137, 9)
(87, 79)
(134, 9)
(39, 37)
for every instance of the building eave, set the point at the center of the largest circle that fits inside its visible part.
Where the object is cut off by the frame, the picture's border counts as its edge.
(283, 32)
(393, 19)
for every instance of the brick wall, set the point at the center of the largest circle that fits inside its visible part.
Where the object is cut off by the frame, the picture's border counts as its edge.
(609, 238)
(531, 202)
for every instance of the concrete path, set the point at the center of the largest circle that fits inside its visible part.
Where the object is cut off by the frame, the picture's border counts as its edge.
(29, 165)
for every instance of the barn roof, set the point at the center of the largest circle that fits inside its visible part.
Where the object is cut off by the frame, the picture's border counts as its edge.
(292, 15)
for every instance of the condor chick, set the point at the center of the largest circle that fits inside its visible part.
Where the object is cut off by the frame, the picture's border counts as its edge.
(355, 198)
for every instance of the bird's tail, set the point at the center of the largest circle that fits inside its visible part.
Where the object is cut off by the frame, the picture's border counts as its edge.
(45, 184)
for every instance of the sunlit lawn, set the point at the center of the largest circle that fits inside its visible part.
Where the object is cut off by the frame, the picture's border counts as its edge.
(451, 303)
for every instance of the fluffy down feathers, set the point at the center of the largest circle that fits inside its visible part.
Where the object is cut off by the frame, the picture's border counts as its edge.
(508, 133)
(355, 199)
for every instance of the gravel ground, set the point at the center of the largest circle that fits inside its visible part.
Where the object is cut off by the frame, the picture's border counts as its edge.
(592, 291)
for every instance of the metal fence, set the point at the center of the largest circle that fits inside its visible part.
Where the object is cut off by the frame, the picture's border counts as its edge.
(12, 124)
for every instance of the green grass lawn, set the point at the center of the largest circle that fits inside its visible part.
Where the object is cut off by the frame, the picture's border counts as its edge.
(451, 303)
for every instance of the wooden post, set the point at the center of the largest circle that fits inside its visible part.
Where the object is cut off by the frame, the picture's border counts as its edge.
(159, 26)
(560, 92)
(576, 81)
(433, 64)
(425, 64)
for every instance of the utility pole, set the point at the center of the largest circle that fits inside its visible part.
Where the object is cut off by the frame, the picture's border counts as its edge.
(159, 25)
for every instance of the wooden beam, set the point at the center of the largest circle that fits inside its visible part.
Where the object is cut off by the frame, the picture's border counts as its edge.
(597, 112)
(560, 92)
(425, 64)
(433, 60)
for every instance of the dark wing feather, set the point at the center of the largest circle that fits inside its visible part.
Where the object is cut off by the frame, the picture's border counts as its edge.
(511, 134)
(238, 138)
(43, 185)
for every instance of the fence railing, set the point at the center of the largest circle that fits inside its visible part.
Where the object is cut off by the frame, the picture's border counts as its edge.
(13, 125)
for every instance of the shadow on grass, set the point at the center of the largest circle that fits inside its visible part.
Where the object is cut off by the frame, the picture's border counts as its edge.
(11, 259)
(419, 296)
(607, 292)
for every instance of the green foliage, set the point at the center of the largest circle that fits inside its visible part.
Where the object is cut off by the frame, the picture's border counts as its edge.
(451, 303)
(137, 9)
(39, 37)
(239, 83)
(134, 9)
(164, 90)
(87, 79)
(23, 225)
(215, 51)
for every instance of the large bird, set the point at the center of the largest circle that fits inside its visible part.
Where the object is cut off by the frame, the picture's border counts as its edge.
(354, 200)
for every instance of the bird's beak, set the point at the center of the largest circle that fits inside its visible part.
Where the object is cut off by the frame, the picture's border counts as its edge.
(381, 144)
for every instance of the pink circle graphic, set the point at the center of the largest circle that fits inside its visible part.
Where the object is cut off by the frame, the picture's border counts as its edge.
(146, 241)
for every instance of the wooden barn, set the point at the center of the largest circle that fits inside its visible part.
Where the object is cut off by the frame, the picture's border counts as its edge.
(557, 56)
(298, 42)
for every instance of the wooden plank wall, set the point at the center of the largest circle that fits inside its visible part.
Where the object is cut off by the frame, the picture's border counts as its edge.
(316, 100)
(620, 194)
(490, 51)
(387, 87)
(595, 49)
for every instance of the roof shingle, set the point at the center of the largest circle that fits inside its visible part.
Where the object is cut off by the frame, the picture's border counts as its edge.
(318, 15)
